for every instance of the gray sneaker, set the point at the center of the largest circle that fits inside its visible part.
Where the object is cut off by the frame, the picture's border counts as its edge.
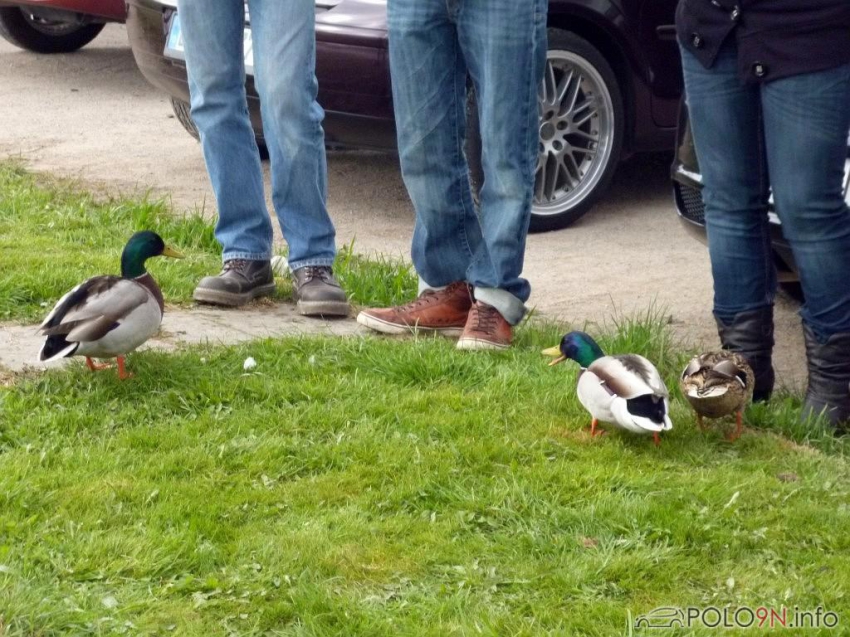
(317, 293)
(239, 282)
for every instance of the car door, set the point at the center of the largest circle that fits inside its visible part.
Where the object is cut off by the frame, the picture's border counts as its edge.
(657, 34)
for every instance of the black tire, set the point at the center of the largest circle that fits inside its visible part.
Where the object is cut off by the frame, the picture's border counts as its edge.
(184, 116)
(20, 28)
(565, 42)
(550, 215)
(182, 112)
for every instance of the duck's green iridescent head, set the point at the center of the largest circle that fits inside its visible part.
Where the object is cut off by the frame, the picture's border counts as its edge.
(141, 247)
(577, 346)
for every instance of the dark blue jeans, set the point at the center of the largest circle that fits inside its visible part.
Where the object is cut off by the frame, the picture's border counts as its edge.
(805, 120)
(502, 45)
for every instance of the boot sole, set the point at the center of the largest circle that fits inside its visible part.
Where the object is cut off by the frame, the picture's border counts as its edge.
(232, 299)
(479, 344)
(396, 329)
(323, 308)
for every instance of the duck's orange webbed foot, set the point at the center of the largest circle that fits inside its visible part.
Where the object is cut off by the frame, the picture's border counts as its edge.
(96, 367)
(739, 428)
(595, 430)
(123, 374)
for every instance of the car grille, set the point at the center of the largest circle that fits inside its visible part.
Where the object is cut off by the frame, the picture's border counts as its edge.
(690, 203)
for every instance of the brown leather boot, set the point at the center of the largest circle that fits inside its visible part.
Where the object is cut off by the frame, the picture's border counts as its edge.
(486, 328)
(443, 311)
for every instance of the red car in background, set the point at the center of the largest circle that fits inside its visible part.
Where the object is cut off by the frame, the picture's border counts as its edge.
(56, 26)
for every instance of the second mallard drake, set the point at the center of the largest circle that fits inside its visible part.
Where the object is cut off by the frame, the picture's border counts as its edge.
(109, 316)
(718, 384)
(624, 390)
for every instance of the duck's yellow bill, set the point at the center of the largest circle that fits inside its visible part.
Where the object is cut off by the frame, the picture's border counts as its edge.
(171, 252)
(555, 352)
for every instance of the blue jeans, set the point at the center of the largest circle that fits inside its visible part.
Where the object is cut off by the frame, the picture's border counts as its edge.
(501, 45)
(805, 121)
(284, 72)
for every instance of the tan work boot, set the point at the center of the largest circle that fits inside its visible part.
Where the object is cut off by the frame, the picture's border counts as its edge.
(443, 311)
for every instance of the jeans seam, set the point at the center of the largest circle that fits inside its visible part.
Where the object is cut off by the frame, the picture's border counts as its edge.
(765, 229)
(460, 160)
(297, 265)
(246, 256)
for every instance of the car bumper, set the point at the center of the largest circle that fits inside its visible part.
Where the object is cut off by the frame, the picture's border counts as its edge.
(351, 65)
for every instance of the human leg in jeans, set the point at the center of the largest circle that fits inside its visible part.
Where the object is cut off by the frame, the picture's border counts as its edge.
(284, 37)
(725, 122)
(284, 56)
(805, 119)
(433, 43)
(504, 45)
(806, 122)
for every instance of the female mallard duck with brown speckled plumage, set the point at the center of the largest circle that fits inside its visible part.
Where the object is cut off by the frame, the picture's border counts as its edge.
(718, 384)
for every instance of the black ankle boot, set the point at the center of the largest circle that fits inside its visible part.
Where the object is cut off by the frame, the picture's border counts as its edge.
(751, 335)
(828, 392)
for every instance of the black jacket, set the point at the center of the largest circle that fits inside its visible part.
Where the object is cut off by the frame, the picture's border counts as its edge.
(776, 38)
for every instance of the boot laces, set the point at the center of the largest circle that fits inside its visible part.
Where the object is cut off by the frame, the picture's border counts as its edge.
(485, 318)
(322, 272)
(429, 297)
(237, 265)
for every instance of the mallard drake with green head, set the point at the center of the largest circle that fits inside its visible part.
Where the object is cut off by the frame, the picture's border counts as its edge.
(718, 384)
(109, 316)
(624, 390)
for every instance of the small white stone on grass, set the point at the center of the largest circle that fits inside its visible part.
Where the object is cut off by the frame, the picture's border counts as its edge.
(109, 602)
(249, 363)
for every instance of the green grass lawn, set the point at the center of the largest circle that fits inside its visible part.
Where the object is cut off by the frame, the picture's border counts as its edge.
(53, 235)
(396, 487)
(380, 487)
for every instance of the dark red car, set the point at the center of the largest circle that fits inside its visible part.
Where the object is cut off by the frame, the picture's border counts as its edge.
(612, 87)
(56, 26)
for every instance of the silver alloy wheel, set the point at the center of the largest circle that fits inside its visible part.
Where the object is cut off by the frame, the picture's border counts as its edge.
(49, 26)
(576, 132)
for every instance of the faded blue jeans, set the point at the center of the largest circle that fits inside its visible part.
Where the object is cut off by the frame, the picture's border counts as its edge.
(501, 45)
(284, 72)
(805, 120)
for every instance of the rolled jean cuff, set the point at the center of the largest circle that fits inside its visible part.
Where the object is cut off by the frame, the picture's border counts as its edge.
(247, 256)
(510, 307)
(303, 263)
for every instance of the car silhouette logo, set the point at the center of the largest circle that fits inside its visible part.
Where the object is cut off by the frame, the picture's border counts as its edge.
(664, 617)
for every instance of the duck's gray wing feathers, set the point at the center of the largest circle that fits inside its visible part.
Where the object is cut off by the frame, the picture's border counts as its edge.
(629, 376)
(94, 308)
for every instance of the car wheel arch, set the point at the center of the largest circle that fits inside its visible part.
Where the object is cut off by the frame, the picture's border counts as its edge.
(613, 47)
